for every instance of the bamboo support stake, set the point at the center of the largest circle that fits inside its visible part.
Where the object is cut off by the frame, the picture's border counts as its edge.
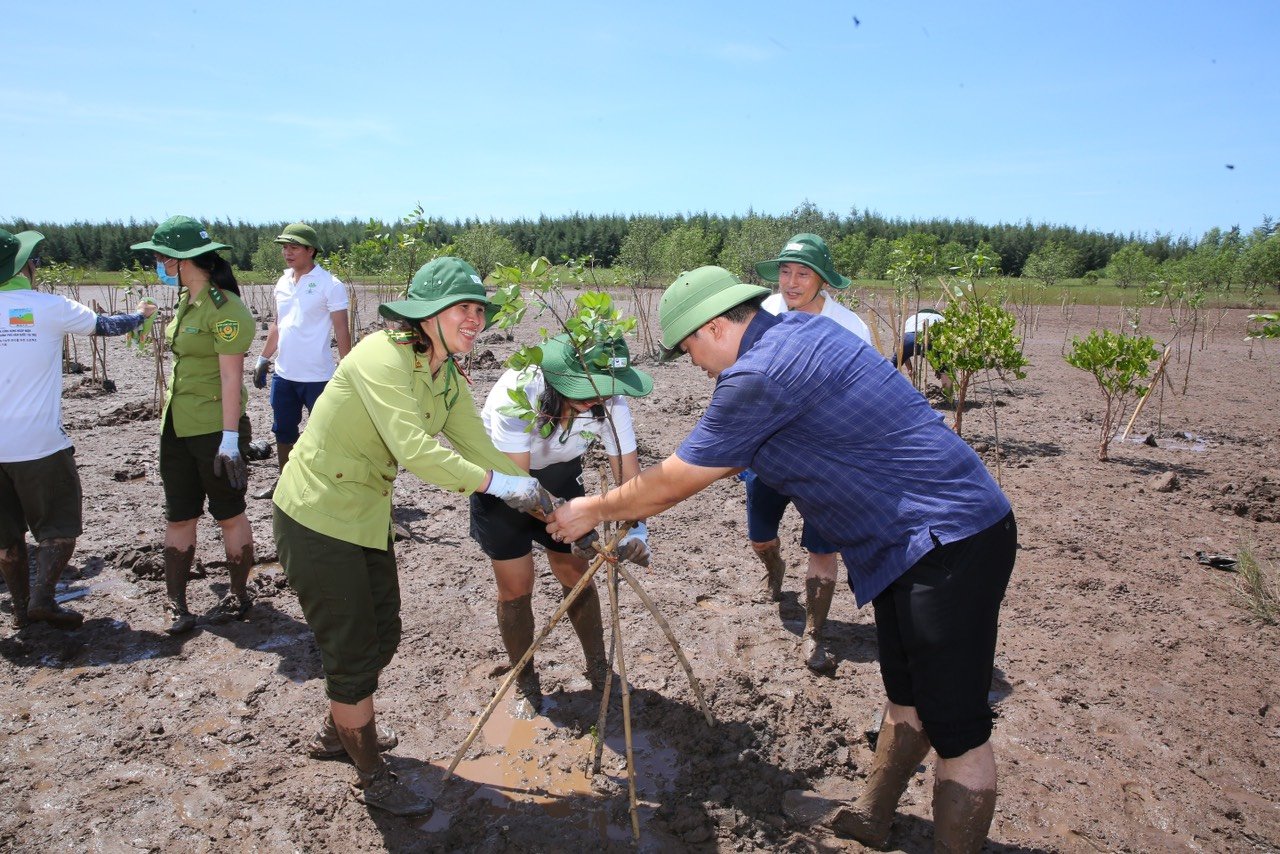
(1137, 410)
(602, 720)
(626, 699)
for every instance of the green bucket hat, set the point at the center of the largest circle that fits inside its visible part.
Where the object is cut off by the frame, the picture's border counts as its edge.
(437, 285)
(180, 237)
(301, 234)
(696, 297)
(811, 251)
(15, 251)
(608, 370)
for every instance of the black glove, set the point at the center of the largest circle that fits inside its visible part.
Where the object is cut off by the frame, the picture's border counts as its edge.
(260, 372)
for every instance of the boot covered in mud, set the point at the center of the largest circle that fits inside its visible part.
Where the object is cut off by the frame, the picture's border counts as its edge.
(177, 569)
(236, 604)
(818, 595)
(961, 817)
(17, 577)
(584, 614)
(51, 559)
(326, 744)
(376, 786)
(899, 751)
(515, 624)
(774, 569)
(282, 454)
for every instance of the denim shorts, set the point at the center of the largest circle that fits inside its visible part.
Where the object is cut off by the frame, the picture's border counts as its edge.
(765, 506)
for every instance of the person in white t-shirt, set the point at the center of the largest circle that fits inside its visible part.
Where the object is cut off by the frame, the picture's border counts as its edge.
(802, 270)
(39, 484)
(310, 305)
(575, 406)
(915, 339)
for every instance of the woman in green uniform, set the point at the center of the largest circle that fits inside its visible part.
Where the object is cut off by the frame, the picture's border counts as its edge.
(205, 430)
(389, 398)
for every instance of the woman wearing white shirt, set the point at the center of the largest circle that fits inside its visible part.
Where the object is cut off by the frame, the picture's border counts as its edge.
(574, 406)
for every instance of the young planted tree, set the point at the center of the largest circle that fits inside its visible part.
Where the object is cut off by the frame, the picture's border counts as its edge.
(1131, 266)
(1118, 363)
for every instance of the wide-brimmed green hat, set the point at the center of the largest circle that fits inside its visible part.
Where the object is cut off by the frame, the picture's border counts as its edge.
(811, 251)
(15, 251)
(696, 297)
(180, 237)
(437, 285)
(608, 370)
(301, 234)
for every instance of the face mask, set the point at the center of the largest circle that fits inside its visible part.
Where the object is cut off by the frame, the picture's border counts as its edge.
(165, 278)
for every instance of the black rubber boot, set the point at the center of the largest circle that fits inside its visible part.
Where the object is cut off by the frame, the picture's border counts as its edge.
(774, 569)
(515, 624)
(15, 568)
(236, 604)
(584, 614)
(818, 595)
(377, 786)
(282, 454)
(51, 559)
(177, 569)
(899, 751)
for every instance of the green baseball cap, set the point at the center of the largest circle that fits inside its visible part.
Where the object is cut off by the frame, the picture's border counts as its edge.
(696, 297)
(440, 283)
(608, 370)
(180, 237)
(811, 251)
(15, 251)
(301, 234)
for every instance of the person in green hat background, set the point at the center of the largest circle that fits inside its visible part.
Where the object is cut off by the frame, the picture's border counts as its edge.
(388, 400)
(925, 532)
(310, 305)
(39, 483)
(204, 431)
(578, 399)
(803, 270)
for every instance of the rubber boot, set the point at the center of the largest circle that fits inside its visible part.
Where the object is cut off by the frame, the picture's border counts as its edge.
(177, 569)
(377, 786)
(774, 569)
(326, 744)
(515, 624)
(17, 577)
(51, 559)
(236, 604)
(584, 614)
(818, 595)
(282, 454)
(899, 751)
(961, 817)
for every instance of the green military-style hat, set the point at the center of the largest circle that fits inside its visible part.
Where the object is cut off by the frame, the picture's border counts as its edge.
(696, 297)
(15, 251)
(439, 284)
(301, 234)
(811, 251)
(180, 237)
(608, 370)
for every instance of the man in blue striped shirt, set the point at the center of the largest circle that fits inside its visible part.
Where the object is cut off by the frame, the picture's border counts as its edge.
(925, 532)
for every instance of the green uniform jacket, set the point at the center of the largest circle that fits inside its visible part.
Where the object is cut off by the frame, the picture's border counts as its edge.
(382, 406)
(215, 324)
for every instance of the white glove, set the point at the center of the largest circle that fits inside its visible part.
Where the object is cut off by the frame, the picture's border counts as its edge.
(228, 463)
(520, 493)
(635, 545)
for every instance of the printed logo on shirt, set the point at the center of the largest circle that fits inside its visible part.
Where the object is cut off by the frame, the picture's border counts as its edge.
(227, 329)
(21, 317)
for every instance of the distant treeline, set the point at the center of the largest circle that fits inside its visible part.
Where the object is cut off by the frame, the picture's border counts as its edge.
(105, 246)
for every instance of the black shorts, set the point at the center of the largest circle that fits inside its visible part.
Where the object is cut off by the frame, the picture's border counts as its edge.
(186, 470)
(43, 495)
(505, 534)
(937, 625)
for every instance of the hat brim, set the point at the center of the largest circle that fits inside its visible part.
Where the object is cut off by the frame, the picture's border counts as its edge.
(689, 323)
(414, 310)
(768, 270)
(296, 241)
(170, 252)
(579, 386)
(27, 242)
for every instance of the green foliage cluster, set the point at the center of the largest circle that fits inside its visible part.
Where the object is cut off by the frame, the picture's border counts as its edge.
(1117, 362)
(1259, 590)
(1264, 326)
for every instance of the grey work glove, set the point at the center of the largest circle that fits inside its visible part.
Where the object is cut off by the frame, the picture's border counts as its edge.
(229, 464)
(260, 372)
(635, 545)
(519, 493)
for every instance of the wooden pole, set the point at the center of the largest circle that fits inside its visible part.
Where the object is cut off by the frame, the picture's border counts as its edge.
(626, 699)
(1164, 360)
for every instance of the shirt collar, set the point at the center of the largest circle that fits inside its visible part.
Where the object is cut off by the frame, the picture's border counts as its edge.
(17, 283)
(759, 325)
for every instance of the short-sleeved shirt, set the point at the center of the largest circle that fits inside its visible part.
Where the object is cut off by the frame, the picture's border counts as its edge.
(510, 434)
(31, 328)
(304, 324)
(200, 332)
(777, 304)
(823, 418)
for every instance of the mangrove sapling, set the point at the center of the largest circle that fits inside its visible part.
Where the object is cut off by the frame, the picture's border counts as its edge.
(1118, 363)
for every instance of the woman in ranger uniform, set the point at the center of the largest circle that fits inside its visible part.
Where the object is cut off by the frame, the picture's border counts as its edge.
(392, 394)
(205, 431)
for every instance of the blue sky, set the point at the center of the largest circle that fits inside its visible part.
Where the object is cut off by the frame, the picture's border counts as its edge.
(1117, 116)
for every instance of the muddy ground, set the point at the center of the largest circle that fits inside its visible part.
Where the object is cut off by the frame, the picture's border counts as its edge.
(1138, 703)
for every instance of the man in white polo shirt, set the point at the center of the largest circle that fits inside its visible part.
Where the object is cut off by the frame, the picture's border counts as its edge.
(311, 305)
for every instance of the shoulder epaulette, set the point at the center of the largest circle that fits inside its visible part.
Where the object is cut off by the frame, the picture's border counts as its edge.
(218, 298)
(401, 337)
